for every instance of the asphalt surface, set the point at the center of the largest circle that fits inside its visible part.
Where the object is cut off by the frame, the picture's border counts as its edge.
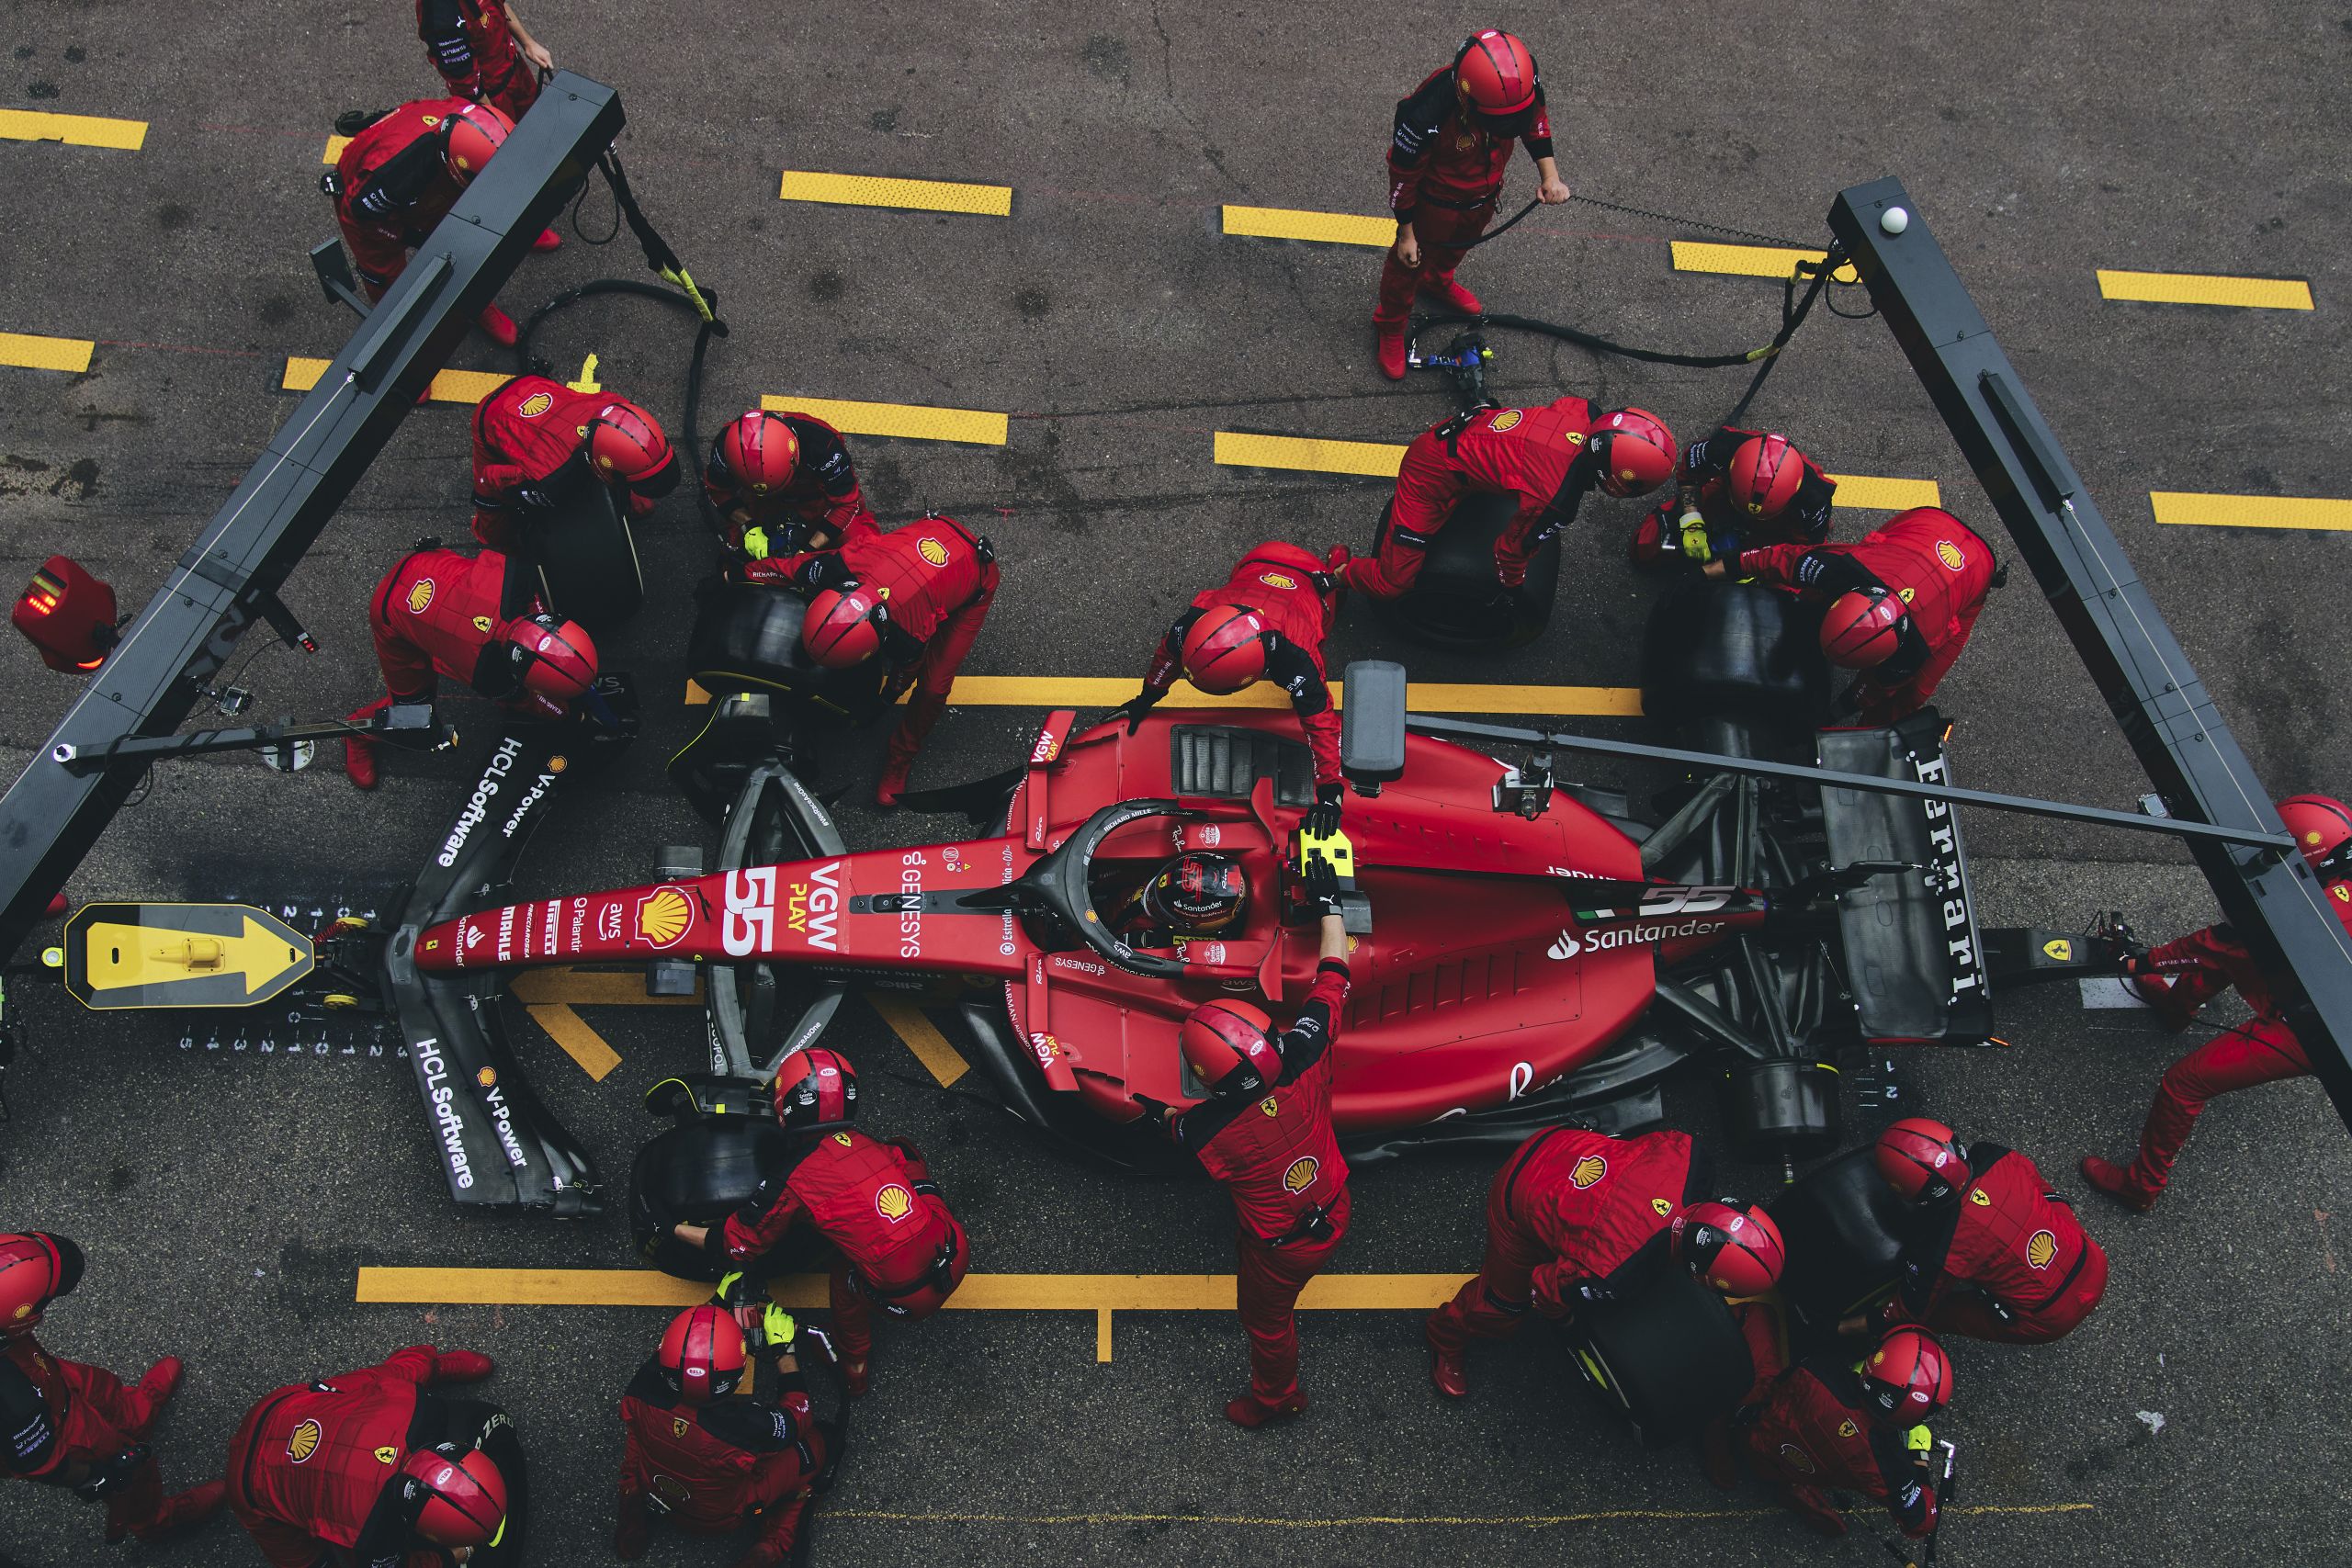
(227, 1198)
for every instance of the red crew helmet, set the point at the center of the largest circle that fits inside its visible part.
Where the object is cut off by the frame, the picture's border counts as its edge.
(1226, 649)
(1765, 474)
(1635, 451)
(1197, 894)
(1861, 628)
(464, 1496)
(1231, 1046)
(702, 1354)
(1496, 75)
(842, 629)
(816, 1088)
(475, 133)
(1921, 1160)
(34, 1269)
(1907, 1377)
(754, 457)
(1735, 1248)
(2322, 826)
(628, 445)
(553, 662)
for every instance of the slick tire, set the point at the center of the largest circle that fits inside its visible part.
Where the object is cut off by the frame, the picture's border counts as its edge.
(586, 556)
(1737, 651)
(1455, 601)
(746, 637)
(1666, 1358)
(1845, 1231)
(697, 1173)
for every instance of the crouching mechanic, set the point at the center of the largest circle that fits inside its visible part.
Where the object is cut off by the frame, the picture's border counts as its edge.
(370, 1468)
(473, 619)
(399, 176)
(1265, 1132)
(1997, 1255)
(1737, 490)
(1564, 1213)
(895, 1244)
(2182, 976)
(1266, 622)
(1835, 1425)
(528, 428)
(706, 1455)
(918, 595)
(1548, 457)
(782, 484)
(72, 1424)
(1900, 601)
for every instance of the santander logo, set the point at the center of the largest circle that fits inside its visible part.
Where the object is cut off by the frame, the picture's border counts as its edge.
(1567, 947)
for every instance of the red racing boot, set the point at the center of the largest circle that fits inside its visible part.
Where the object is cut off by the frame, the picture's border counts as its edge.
(1811, 1504)
(1389, 347)
(548, 240)
(358, 750)
(162, 1380)
(462, 1366)
(892, 783)
(1455, 296)
(2116, 1183)
(1447, 1372)
(857, 1375)
(1249, 1410)
(499, 325)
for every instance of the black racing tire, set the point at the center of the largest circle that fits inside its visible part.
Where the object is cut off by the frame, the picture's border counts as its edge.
(585, 555)
(1455, 601)
(746, 637)
(1737, 651)
(696, 1173)
(1667, 1357)
(1845, 1231)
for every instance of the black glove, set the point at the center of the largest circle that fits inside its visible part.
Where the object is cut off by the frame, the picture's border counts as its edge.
(1322, 886)
(1323, 819)
(1136, 706)
(1154, 1110)
(108, 1476)
(824, 571)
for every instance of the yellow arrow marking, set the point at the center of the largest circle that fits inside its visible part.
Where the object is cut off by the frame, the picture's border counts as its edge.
(120, 956)
(582, 1044)
(923, 1037)
(549, 996)
(587, 382)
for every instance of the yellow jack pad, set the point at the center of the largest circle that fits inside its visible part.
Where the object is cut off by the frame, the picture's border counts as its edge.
(1333, 847)
(181, 956)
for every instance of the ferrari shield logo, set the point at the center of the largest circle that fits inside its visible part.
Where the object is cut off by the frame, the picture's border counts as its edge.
(420, 595)
(1847, 1429)
(1906, 594)
(1976, 1196)
(894, 1202)
(1662, 1207)
(537, 404)
(431, 120)
(388, 1455)
(1949, 553)
(1756, 509)
(1586, 1171)
(304, 1441)
(2059, 949)
(1268, 1106)
(1276, 580)
(680, 1426)
(1301, 1174)
(843, 1139)
(932, 551)
(1574, 437)
(664, 915)
(1507, 420)
(2040, 1248)
(481, 623)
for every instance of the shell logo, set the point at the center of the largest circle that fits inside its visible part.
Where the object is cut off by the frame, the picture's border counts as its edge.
(663, 917)
(2040, 1248)
(558, 763)
(24, 1310)
(537, 404)
(1507, 419)
(388, 1455)
(487, 1078)
(420, 595)
(1276, 580)
(894, 1202)
(1949, 553)
(932, 551)
(1798, 1458)
(1586, 1171)
(1301, 1174)
(304, 1441)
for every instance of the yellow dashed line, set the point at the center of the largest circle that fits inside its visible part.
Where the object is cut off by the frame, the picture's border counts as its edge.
(923, 1037)
(875, 190)
(69, 354)
(1328, 228)
(2315, 513)
(335, 144)
(1746, 261)
(1873, 494)
(1394, 1521)
(466, 387)
(2206, 288)
(73, 130)
(916, 422)
(1376, 459)
(1084, 692)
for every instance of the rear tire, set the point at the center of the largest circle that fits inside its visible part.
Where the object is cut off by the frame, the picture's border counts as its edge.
(1734, 651)
(697, 1173)
(1845, 1231)
(1455, 601)
(1665, 1356)
(746, 637)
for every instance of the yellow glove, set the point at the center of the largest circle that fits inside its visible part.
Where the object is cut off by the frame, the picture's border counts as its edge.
(755, 543)
(1694, 539)
(779, 1330)
(730, 1288)
(1920, 1440)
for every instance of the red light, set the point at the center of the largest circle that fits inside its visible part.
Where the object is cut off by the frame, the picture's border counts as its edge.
(68, 614)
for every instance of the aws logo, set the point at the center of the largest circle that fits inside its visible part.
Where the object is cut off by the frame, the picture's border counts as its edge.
(1587, 1171)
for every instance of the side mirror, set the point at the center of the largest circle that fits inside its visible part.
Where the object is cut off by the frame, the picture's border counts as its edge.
(1372, 724)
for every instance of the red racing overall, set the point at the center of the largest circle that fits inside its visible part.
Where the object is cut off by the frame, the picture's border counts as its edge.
(2005, 1260)
(1281, 1165)
(1818, 1432)
(824, 487)
(2192, 970)
(1932, 560)
(1444, 174)
(713, 1468)
(1704, 470)
(1537, 454)
(470, 44)
(897, 1243)
(1567, 1208)
(523, 433)
(59, 1414)
(937, 577)
(393, 185)
(1290, 589)
(436, 613)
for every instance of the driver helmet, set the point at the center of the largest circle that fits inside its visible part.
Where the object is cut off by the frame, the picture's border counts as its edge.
(1861, 628)
(550, 664)
(1635, 450)
(815, 1090)
(1765, 474)
(1225, 648)
(474, 134)
(34, 1269)
(1496, 77)
(1231, 1046)
(1197, 894)
(1907, 1377)
(1731, 1246)
(702, 1354)
(1921, 1160)
(463, 1497)
(2322, 829)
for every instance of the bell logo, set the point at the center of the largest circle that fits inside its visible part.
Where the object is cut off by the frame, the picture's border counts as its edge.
(1301, 1174)
(420, 595)
(1949, 553)
(1567, 947)
(2040, 1248)
(304, 1441)
(537, 404)
(663, 917)
(932, 551)
(894, 1202)
(1586, 1171)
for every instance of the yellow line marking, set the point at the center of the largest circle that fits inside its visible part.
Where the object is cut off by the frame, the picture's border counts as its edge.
(71, 354)
(1747, 260)
(579, 1040)
(923, 1037)
(73, 130)
(1378, 460)
(1872, 493)
(466, 387)
(876, 190)
(1102, 1334)
(980, 1292)
(595, 987)
(2206, 288)
(916, 422)
(1421, 696)
(1391, 1521)
(335, 144)
(2318, 513)
(1329, 228)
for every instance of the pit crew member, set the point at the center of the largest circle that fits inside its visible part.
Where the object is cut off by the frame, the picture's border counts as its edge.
(528, 428)
(483, 52)
(1737, 490)
(1736, 1250)
(1832, 1424)
(399, 176)
(894, 1243)
(783, 483)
